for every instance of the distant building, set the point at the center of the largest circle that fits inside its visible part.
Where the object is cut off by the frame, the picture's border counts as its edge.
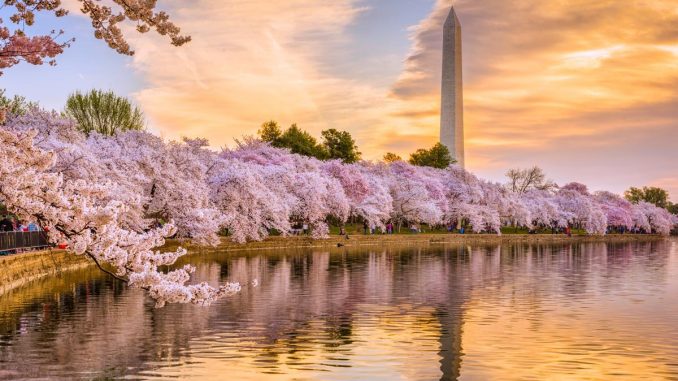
(452, 99)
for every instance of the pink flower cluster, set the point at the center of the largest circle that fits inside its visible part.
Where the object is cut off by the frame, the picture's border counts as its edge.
(106, 19)
(104, 196)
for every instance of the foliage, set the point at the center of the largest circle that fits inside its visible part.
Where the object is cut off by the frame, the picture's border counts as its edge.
(522, 180)
(103, 112)
(82, 214)
(107, 197)
(16, 105)
(437, 156)
(340, 145)
(295, 139)
(16, 46)
(390, 157)
(270, 132)
(336, 144)
(302, 143)
(656, 196)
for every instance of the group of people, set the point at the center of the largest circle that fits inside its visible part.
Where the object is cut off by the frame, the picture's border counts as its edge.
(300, 228)
(11, 224)
(11, 244)
(373, 230)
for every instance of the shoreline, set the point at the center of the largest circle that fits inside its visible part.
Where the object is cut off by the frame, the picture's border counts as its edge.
(296, 242)
(21, 269)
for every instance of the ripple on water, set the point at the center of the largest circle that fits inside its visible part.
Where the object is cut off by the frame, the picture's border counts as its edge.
(514, 312)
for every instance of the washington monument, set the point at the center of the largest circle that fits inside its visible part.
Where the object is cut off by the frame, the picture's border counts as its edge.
(452, 100)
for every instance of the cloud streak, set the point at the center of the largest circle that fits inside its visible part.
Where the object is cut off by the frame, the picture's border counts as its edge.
(600, 78)
(575, 86)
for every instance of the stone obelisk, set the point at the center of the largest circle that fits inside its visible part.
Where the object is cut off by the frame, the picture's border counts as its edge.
(452, 100)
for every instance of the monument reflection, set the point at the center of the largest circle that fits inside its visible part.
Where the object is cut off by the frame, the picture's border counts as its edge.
(409, 312)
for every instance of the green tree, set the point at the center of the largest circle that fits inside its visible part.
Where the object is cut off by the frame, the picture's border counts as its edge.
(16, 105)
(653, 195)
(437, 156)
(340, 145)
(302, 143)
(336, 144)
(270, 132)
(390, 157)
(103, 112)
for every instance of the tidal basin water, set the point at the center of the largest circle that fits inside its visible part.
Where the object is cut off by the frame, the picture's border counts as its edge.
(581, 311)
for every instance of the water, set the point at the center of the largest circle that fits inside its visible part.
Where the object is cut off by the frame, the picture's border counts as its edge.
(517, 312)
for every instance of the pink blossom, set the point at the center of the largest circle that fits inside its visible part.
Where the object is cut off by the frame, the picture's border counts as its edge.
(79, 213)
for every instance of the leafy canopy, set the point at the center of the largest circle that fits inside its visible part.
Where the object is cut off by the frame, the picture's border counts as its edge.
(390, 157)
(437, 156)
(335, 144)
(657, 196)
(103, 112)
(17, 105)
(340, 145)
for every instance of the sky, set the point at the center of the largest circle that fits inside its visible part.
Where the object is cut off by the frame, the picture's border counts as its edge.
(587, 90)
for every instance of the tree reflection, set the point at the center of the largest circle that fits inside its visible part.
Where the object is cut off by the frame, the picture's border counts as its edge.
(314, 310)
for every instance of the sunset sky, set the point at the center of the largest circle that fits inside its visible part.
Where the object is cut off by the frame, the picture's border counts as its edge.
(588, 90)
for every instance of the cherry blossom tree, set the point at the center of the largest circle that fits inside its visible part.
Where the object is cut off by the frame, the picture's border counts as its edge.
(414, 200)
(469, 200)
(74, 212)
(310, 195)
(578, 208)
(79, 158)
(543, 209)
(157, 180)
(16, 46)
(618, 211)
(377, 207)
(319, 197)
(654, 219)
(104, 196)
(510, 206)
(252, 198)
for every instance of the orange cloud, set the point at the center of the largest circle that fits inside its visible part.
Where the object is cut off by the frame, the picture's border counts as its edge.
(578, 87)
(551, 83)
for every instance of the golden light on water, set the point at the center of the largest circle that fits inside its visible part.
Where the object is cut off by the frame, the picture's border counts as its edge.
(567, 311)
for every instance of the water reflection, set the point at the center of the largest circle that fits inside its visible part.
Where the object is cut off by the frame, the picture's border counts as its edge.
(581, 311)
